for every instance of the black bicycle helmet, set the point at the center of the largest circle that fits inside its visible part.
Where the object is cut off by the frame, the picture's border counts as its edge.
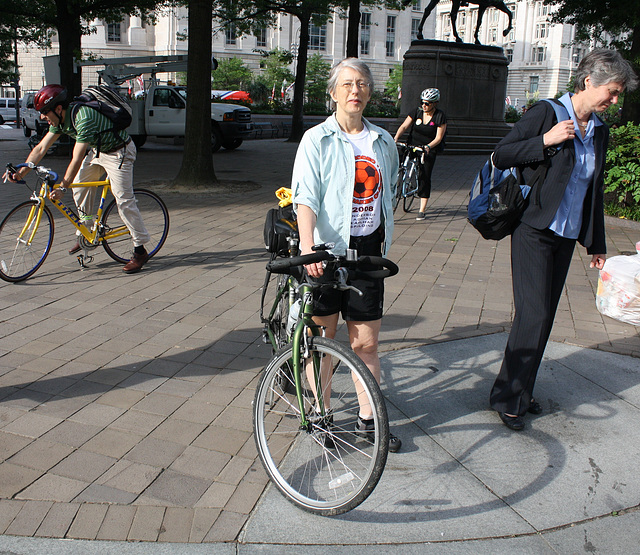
(48, 97)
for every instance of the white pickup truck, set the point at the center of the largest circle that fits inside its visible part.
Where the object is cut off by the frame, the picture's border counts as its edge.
(161, 109)
(161, 112)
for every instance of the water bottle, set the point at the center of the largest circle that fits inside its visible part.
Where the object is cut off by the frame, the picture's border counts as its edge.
(294, 313)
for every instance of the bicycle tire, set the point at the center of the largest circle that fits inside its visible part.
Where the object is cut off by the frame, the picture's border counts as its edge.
(155, 216)
(410, 184)
(399, 189)
(327, 468)
(18, 261)
(281, 316)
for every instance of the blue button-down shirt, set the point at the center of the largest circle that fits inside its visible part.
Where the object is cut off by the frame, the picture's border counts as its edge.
(568, 218)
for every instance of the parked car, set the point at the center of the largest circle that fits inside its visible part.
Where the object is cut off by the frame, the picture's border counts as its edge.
(30, 117)
(7, 109)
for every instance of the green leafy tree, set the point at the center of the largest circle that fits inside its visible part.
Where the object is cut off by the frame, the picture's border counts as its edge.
(623, 171)
(597, 19)
(317, 76)
(249, 15)
(70, 19)
(275, 69)
(393, 86)
(231, 74)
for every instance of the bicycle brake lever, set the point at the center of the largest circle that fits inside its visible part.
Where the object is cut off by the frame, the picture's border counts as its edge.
(352, 288)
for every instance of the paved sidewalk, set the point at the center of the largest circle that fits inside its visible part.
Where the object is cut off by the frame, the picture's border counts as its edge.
(125, 399)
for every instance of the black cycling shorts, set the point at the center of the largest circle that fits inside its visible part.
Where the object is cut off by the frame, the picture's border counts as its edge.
(355, 308)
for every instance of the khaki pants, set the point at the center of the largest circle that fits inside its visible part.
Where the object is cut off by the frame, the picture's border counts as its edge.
(120, 173)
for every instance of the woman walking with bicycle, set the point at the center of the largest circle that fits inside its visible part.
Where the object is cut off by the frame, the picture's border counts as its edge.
(427, 125)
(342, 186)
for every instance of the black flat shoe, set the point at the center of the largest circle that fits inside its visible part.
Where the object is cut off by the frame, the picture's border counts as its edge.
(535, 407)
(514, 423)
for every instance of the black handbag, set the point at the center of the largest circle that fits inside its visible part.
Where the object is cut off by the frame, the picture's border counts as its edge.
(275, 241)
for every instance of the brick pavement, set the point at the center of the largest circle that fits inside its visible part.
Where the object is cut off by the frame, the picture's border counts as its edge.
(125, 400)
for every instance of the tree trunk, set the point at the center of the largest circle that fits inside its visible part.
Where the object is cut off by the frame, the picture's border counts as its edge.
(297, 121)
(70, 40)
(631, 107)
(197, 160)
(353, 28)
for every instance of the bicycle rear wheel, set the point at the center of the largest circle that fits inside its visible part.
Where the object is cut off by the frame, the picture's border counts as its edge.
(155, 217)
(19, 260)
(410, 188)
(399, 189)
(326, 467)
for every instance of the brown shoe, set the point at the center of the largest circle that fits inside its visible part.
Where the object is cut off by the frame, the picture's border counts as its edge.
(136, 263)
(76, 247)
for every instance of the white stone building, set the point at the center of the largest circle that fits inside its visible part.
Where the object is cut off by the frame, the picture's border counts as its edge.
(537, 51)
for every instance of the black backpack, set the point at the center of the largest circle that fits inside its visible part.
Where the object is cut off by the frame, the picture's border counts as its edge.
(109, 103)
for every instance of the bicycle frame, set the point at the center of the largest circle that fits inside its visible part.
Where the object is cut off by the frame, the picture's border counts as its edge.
(300, 334)
(410, 166)
(94, 235)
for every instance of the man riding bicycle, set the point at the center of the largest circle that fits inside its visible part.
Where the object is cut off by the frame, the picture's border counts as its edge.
(95, 152)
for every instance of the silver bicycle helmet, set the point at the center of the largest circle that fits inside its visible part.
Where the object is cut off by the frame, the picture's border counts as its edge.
(430, 95)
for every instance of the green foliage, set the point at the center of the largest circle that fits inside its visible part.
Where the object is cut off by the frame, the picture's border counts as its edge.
(275, 66)
(394, 84)
(532, 98)
(231, 74)
(380, 106)
(316, 80)
(624, 212)
(511, 114)
(622, 176)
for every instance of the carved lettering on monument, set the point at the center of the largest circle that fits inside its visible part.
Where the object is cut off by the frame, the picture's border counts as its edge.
(417, 65)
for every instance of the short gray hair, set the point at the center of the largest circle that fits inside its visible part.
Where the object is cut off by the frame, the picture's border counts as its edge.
(352, 63)
(605, 66)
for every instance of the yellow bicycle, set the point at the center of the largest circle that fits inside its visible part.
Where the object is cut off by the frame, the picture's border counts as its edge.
(26, 233)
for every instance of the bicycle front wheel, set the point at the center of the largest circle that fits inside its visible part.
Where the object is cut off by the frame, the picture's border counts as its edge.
(399, 190)
(20, 253)
(155, 216)
(410, 188)
(327, 466)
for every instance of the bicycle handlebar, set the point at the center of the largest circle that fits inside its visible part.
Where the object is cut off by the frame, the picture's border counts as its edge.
(284, 265)
(43, 172)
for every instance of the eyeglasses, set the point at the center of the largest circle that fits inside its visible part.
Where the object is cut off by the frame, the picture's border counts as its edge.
(425, 103)
(361, 85)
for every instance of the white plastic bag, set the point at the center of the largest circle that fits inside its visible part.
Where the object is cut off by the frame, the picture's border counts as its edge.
(618, 294)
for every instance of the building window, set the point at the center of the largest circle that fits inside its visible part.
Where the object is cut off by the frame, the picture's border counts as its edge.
(114, 32)
(542, 31)
(365, 33)
(542, 10)
(534, 81)
(538, 54)
(577, 55)
(415, 23)
(509, 54)
(317, 37)
(230, 35)
(493, 35)
(391, 35)
(261, 37)
(416, 6)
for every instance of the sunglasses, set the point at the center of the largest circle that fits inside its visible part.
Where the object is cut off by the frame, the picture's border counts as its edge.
(424, 103)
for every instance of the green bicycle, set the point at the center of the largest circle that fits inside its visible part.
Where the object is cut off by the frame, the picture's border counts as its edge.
(307, 402)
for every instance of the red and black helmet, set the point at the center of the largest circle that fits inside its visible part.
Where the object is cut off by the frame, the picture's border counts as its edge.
(48, 97)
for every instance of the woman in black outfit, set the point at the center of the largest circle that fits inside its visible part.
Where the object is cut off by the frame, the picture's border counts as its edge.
(427, 126)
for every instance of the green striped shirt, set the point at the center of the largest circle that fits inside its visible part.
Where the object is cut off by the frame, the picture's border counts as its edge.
(88, 126)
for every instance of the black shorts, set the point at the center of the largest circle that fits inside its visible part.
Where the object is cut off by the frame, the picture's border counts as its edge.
(355, 308)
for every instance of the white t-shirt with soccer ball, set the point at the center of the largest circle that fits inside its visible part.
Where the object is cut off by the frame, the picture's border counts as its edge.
(367, 189)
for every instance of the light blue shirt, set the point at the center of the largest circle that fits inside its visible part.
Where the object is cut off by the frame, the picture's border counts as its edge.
(324, 175)
(568, 219)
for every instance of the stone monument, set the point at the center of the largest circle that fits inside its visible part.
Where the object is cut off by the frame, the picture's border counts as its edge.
(472, 80)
